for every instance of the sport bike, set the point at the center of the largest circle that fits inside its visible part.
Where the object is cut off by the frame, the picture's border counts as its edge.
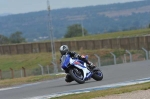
(78, 70)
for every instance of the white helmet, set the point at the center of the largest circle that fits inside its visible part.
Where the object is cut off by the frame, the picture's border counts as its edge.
(64, 49)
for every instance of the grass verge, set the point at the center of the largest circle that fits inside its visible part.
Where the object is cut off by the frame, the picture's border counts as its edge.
(31, 61)
(120, 34)
(25, 80)
(107, 92)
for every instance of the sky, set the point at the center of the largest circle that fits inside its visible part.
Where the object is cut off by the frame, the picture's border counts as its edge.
(25, 6)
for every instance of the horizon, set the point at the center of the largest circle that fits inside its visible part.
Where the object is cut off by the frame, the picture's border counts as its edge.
(20, 7)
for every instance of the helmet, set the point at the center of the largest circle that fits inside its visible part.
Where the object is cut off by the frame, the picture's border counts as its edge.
(64, 49)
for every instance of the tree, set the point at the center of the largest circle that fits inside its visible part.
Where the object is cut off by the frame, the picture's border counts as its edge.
(17, 37)
(3, 39)
(75, 30)
(149, 26)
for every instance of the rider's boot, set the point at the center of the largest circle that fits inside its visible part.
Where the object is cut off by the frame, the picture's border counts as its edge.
(68, 78)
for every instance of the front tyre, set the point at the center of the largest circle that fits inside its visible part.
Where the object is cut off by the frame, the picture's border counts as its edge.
(98, 75)
(76, 75)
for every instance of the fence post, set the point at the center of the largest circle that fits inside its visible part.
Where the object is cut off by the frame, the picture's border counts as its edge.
(42, 72)
(99, 63)
(12, 73)
(114, 57)
(24, 71)
(130, 55)
(125, 59)
(48, 69)
(145, 52)
(21, 73)
(55, 67)
(0, 74)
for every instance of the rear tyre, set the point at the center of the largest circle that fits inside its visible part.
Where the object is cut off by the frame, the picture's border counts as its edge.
(98, 75)
(77, 75)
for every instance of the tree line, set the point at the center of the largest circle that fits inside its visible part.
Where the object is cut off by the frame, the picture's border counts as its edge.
(15, 37)
(75, 30)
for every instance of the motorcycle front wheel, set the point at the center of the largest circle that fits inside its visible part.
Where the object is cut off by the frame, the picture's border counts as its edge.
(77, 75)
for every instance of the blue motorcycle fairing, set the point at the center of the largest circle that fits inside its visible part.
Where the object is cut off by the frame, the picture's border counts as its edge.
(65, 60)
(78, 62)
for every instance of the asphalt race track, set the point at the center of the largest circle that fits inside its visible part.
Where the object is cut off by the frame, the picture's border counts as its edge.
(112, 74)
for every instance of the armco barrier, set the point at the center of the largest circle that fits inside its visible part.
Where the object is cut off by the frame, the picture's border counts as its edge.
(130, 43)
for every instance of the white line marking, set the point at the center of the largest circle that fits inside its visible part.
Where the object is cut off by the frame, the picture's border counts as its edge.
(84, 90)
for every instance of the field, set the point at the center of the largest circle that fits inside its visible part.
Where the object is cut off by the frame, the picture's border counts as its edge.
(24, 60)
(30, 61)
(121, 34)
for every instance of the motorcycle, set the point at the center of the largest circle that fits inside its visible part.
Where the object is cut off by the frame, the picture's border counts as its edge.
(78, 70)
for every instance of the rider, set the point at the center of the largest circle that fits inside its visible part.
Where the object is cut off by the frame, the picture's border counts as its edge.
(65, 50)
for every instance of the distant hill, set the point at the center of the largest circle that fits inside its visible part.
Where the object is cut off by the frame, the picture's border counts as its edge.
(5, 14)
(96, 19)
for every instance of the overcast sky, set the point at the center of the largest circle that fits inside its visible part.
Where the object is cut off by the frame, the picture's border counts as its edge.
(24, 6)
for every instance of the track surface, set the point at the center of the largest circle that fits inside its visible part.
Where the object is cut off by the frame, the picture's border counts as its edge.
(112, 74)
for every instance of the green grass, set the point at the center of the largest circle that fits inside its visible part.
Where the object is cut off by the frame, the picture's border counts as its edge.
(121, 34)
(107, 92)
(31, 61)
(25, 60)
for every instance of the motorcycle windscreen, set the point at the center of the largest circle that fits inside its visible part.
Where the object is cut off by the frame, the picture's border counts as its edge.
(65, 61)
